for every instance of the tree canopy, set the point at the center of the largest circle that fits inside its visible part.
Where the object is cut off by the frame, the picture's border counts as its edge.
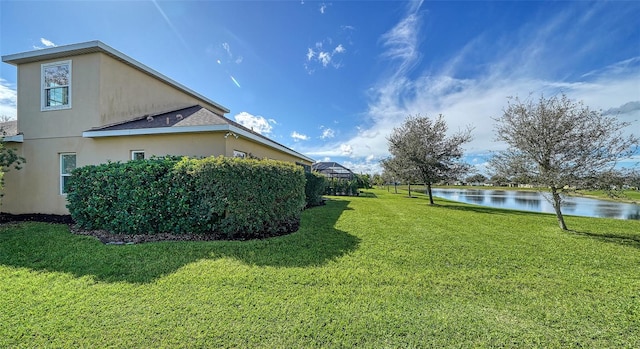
(558, 143)
(421, 148)
(8, 156)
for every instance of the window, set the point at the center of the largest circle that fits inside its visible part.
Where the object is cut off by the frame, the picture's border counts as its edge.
(239, 154)
(137, 155)
(56, 86)
(67, 164)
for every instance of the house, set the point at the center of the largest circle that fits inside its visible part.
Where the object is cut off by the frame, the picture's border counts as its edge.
(332, 170)
(87, 103)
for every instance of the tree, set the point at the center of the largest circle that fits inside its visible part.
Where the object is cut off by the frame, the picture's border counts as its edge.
(400, 171)
(8, 156)
(558, 143)
(499, 181)
(377, 180)
(364, 180)
(476, 178)
(421, 145)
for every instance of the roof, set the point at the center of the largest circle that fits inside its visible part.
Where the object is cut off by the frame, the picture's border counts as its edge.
(185, 120)
(332, 168)
(99, 47)
(9, 131)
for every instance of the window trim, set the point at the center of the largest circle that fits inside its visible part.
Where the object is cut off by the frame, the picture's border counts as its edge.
(43, 88)
(62, 175)
(134, 152)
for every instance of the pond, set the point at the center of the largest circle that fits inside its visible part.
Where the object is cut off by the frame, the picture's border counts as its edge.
(537, 202)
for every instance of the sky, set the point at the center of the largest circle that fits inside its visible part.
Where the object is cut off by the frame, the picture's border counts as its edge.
(331, 79)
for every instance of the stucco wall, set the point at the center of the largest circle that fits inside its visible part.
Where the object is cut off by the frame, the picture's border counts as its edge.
(84, 112)
(258, 150)
(127, 93)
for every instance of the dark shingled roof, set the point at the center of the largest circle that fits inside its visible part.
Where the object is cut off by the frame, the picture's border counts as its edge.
(191, 116)
(9, 128)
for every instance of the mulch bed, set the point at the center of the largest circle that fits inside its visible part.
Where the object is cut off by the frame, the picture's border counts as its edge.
(127, 239)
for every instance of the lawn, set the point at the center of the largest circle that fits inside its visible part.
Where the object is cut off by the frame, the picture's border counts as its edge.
(376, 271)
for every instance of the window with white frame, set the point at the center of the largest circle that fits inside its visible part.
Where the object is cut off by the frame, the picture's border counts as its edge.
(56, 86)
(239, 154)
(67, 164)
(137, 155)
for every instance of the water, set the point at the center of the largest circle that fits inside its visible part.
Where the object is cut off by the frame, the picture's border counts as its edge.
(536, 202)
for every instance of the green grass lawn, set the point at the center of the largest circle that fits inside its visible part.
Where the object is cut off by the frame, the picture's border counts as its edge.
(376, 271)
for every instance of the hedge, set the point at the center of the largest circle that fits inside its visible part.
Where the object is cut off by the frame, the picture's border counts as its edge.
(314, 188)
(233, 197)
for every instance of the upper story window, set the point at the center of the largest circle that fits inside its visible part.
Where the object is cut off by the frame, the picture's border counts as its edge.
(56, 85)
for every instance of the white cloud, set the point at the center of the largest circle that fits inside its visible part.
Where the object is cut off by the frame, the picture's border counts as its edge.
(255, 122)
(346, 150)
(8, 99)
(402, 40)
(310, 54)
(628, 107)
(324, 57)
(525, 65)
(328, 133)
(323, 8)
(299, 136)
(47, 43)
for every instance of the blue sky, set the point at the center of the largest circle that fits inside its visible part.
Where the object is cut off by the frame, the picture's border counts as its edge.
(332, 79)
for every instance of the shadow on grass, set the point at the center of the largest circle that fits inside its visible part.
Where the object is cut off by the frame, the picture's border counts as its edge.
(367, 194)
(619, 239)
(483, 209)
(51, 247)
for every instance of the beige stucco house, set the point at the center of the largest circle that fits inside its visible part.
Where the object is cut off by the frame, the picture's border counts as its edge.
(87, 103)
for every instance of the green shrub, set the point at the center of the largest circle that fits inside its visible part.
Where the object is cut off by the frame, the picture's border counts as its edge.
(126, 197)
(237, 198)
(314, 188)
(243, 196)
(342, 187)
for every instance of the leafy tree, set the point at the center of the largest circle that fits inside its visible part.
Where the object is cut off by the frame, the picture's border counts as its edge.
(389, 178)
(558, 143)
(499, 180)
(421, 146)
(377, 180)
(400, 170)
(364, 180)
(632, 179)
(476, 178)
(8, 156)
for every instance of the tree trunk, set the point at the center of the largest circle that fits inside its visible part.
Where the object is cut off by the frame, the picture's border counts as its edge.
(430, 194)
(395, 186)
(409, 189)
(556, 205)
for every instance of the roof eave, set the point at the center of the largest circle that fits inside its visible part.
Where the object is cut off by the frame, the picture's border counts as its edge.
(13, 139)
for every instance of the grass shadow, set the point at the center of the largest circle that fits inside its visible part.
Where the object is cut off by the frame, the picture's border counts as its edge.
(483, 209)
(619, 239)
(51, 247)
(367, 194)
